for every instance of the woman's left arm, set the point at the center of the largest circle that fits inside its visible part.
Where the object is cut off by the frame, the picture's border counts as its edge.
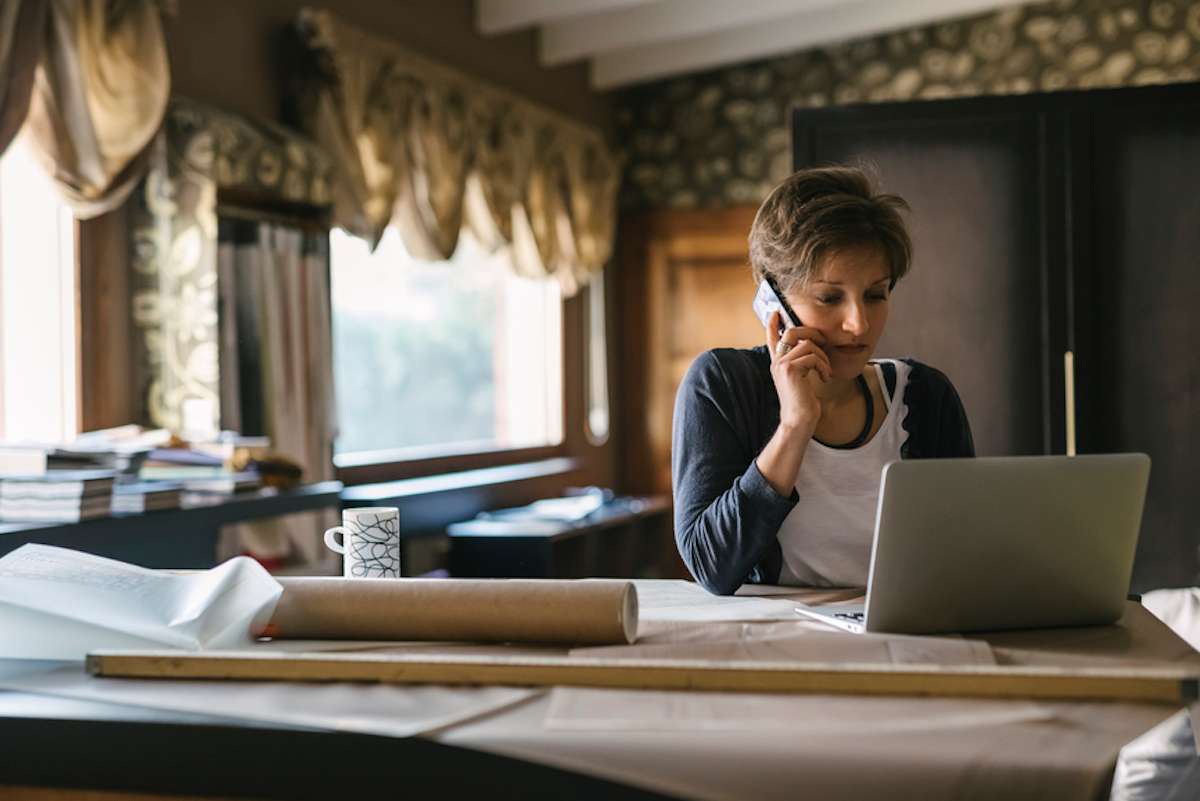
(954, 436)
(936, 421)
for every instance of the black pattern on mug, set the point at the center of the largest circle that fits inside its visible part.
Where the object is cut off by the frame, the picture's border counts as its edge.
(374, 547)
(370, 543)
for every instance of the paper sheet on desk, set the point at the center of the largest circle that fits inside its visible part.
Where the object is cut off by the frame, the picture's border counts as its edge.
(777, 644)
(589, 709)
(57, 603)
(682, 601)
(382, 709)
(615, 710)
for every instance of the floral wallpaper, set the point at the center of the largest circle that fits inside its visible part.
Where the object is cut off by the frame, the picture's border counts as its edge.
(722, 137)
(174, 243)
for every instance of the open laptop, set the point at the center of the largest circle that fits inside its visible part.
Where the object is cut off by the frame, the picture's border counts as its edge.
(1000, 543)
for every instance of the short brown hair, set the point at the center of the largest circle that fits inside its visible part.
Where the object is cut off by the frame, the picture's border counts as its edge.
(818, 211)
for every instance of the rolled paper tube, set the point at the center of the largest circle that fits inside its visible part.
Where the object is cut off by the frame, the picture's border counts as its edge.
(575, 612)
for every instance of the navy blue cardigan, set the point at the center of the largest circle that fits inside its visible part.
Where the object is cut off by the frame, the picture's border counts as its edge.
(726, 514)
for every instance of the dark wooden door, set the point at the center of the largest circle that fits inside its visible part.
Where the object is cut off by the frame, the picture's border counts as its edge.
(1043, 223)
(974, 304)
(1141, 339)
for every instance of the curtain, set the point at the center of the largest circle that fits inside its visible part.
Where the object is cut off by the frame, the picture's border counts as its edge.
(434, 158)
(22, 23)
(429, 150)
(283, 355)
(87, 82)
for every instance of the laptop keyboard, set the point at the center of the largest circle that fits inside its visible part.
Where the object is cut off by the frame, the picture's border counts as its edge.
(856, 617)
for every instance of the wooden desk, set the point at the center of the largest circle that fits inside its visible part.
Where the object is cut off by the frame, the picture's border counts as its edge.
(822, 747)
(82, 746)
(171, 538)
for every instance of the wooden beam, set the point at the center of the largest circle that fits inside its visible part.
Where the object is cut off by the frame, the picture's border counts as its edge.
(505, 16)
(842, 22)
(1170, 686)
(669, 20)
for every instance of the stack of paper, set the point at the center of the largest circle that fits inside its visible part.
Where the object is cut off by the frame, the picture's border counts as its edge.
(146, 496)
(60, 604)
(58, 496)
(122, 449)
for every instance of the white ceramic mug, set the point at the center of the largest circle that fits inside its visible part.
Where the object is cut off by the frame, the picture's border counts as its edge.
(370, 545)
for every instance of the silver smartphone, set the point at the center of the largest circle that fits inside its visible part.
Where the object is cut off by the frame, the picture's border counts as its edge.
(770, 299)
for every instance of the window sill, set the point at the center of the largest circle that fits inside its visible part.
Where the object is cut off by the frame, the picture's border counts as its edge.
(429, 503)
(376, 467)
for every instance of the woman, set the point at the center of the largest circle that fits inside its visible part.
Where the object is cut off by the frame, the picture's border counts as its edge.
(777, 450)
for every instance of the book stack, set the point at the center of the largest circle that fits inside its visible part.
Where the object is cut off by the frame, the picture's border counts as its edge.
(121, 449)
(146, 496)
(218, 487)
(57, 496)
(204, 477)
(33, 459)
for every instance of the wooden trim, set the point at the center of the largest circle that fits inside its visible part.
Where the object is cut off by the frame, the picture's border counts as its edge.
(78, 305)
(105, 340)
(17, 793)
(658, 428)
(355, 469)
(430, 503)
(391, 492)
(1166, 686)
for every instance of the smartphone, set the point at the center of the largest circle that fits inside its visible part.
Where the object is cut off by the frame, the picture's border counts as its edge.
(770, 299)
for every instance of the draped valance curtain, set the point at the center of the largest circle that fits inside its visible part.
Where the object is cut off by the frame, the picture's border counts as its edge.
(431, 151)
(86, 82)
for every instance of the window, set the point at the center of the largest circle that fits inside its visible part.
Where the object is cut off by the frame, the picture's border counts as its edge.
(38, 329)
(433, 359)
(597, 362)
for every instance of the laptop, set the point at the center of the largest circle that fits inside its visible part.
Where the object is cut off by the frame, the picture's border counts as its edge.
(1000, 543)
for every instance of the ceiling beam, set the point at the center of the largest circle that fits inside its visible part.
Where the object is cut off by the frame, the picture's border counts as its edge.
(504, 16)
(571, 39)
(839, 23)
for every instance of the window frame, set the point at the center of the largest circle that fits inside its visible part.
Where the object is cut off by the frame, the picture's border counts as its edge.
(395, 464)
(74, 306)
(369, 467)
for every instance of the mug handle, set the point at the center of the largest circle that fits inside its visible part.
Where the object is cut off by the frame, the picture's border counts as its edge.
(331, 539)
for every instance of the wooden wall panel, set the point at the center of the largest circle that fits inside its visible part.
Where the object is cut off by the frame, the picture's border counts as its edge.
(685, 287)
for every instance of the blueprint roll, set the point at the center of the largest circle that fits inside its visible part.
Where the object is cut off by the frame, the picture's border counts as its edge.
(569, 612)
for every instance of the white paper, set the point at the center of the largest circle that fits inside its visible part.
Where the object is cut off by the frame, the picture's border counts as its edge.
(1163, 764)
(56, 603)
(800, 645)
(389, 710)
(588, 709)
(1179, 609)
(578, 708)
(682, 601)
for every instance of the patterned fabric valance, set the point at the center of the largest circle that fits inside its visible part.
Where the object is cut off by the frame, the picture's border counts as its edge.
(200, 152)
(428, 149)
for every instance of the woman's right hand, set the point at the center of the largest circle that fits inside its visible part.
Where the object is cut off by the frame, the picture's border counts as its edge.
(796, 374)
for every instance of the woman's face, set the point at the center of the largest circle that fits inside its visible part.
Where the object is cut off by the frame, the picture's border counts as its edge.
(847, 301)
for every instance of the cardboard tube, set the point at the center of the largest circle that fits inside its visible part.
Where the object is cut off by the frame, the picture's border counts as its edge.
(575, 612)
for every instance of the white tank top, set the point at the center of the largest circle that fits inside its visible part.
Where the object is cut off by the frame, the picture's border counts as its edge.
(826, 539)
